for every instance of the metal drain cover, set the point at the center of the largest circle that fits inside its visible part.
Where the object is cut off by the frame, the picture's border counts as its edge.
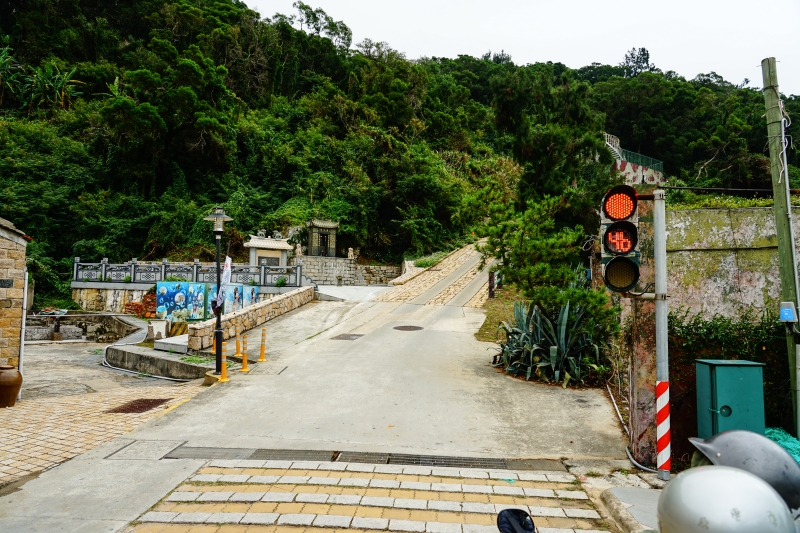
(408, 328)
(346, 337)
(141, 405)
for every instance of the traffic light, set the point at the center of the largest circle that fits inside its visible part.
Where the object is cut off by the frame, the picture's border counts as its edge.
(619, 232)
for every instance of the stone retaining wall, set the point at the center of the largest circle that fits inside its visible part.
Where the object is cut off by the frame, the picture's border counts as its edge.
(249, 318)
(378, 275)
(327, 270)
(108, 300)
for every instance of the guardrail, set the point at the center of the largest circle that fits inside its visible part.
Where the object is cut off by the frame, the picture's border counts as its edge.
(135, 272)
(639, 159)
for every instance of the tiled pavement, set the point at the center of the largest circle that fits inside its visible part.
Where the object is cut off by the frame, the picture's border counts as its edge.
(40, 433)
(480, 298)
(459, 285)
(286, 497)
(426, 280)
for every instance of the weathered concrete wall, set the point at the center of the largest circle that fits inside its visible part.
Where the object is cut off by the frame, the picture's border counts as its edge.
(249, 317)
(722, 261)
(12, 283)
(109, 300)
(327, 270)
(149, 361)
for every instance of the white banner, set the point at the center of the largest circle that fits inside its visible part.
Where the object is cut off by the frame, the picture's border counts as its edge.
(226, 280)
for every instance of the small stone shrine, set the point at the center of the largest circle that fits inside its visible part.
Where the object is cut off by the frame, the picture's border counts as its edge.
(268, 251)
(322, 238)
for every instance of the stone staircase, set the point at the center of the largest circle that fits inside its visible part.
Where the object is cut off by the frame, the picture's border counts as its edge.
(275, 496)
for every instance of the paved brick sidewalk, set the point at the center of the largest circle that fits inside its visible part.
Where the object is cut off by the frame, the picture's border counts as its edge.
(40, 433)
(429, 278)
(284, 497)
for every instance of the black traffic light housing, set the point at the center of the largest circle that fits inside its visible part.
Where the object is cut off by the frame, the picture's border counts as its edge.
(619, 236)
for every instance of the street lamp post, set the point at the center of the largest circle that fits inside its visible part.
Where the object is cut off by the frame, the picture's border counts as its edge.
(218, 217)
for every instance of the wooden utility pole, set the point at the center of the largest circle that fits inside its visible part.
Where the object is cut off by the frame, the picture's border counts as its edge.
(783, 213)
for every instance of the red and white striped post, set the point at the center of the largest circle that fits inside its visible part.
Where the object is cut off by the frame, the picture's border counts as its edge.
(663, 448)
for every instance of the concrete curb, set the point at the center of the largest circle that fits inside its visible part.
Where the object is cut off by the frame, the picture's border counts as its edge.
(620, 514)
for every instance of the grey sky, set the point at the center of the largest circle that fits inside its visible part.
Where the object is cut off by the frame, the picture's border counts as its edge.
(729, 37)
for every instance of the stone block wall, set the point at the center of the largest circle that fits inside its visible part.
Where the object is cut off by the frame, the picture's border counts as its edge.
(326, 271)
(378, 275)
(249, 318)
(108, 300)
(12, 282)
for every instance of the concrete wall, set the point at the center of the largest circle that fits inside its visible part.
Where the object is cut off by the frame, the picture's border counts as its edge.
(721, 261)
(249, 318)
(12, 283)
(326, 271)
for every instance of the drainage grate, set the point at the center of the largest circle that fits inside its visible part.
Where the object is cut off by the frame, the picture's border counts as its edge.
(364, 457)
(439, 460)
(273, 370)
(408, 328)
(536, 464)
(292, 455)
(346, 337)
(141, 405)
(190, 452)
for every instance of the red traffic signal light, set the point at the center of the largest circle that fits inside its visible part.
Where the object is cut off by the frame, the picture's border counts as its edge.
(620, 202)
(619, 232)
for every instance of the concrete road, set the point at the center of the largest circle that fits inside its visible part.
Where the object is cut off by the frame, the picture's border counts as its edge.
(428, 391)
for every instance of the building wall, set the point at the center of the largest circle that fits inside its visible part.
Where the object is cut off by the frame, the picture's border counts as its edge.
(12, 282)
(108, 300)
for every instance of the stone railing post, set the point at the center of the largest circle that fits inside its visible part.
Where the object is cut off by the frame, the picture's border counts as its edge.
(300, 274)
(75, 266)
(164, 269)
(262, 275)
(196, 271)
(103, 266)
(133, 270)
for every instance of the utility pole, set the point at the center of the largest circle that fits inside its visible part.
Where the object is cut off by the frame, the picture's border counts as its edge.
(663, 443)
(783, 212)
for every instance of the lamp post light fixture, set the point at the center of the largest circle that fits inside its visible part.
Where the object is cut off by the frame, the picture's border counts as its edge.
(218, 217)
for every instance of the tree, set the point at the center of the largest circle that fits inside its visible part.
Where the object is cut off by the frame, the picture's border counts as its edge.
(636, 62)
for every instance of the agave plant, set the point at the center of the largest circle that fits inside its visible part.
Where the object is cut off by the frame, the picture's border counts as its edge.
(534, 346)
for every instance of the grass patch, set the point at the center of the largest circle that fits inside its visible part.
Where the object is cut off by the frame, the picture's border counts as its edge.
(428, 261)
(690, 201)
(147, 344)
(498, 309)
(197, 359)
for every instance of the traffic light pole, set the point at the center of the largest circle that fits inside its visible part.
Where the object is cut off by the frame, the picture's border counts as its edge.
(783, 214)
(663, 446)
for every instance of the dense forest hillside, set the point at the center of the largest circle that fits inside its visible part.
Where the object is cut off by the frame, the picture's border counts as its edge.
(123, 122)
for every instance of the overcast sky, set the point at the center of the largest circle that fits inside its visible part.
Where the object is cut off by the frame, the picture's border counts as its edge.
(729, 37)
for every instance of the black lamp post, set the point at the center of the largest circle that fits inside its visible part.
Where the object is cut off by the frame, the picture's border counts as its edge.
(218, 217)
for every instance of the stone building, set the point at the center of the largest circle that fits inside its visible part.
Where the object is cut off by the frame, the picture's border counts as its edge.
(268, 251)
(322, 238)
(12, 279)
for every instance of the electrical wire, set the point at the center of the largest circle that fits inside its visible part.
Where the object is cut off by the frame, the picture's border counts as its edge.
(637, 465)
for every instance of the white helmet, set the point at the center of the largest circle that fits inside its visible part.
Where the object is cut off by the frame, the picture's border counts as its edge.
(722, 499)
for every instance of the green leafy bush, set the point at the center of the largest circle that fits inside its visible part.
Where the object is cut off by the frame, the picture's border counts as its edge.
(281, 282)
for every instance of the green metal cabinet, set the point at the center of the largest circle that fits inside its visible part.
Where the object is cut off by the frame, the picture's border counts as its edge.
(730, 395)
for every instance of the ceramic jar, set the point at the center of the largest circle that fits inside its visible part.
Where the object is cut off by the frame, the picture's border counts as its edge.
(10, 383)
